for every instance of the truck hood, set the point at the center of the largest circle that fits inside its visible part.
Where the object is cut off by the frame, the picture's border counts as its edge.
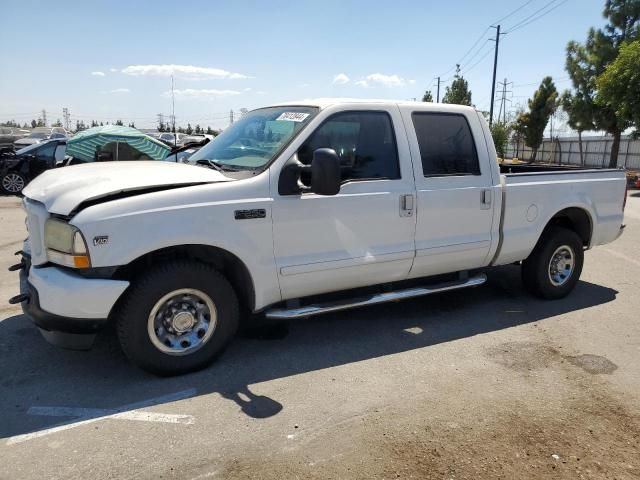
(62, 190)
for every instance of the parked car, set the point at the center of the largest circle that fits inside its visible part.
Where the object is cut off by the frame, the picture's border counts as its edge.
(19, 168)
(303, 204)
(37, 135)
(172, 140)
(8, 135)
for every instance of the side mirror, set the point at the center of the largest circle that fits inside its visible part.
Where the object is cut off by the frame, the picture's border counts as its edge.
(325, 172)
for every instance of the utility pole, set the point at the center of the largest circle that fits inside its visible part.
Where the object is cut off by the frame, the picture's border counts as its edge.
(438, 95)
(173, 114)
(231, 117)
(495, 69)
(67, 117)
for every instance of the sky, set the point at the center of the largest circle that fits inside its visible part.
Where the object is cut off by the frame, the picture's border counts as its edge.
(114, 60)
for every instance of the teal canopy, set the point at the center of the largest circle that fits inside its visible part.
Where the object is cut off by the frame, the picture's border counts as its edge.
(125, 143)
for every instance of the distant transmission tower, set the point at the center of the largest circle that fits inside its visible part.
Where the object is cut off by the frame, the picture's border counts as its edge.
(67, 118)
(160, 120)
(230, 117)
(44, 117)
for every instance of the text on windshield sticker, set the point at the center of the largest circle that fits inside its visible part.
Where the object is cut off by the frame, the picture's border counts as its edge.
(293, 116)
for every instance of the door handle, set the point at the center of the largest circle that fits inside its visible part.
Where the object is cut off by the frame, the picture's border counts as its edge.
(485, 199)
(406, 205)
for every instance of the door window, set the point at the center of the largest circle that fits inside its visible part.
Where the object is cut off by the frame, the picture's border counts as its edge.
(364, 142)
(446, 144)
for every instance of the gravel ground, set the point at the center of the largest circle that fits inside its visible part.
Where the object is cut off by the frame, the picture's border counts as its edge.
(481, 383)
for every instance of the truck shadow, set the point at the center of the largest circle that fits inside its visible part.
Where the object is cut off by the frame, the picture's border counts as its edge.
(37, 374)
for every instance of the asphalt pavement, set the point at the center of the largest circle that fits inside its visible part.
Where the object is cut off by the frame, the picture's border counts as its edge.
(480, 383)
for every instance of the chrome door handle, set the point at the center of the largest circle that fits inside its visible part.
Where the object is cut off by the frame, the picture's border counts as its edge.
(485, 199)
(406, 205)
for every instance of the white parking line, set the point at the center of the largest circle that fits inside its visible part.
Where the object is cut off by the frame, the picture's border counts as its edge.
(84, 416)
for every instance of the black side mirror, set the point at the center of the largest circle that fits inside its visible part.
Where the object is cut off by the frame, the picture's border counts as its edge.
(325, 172)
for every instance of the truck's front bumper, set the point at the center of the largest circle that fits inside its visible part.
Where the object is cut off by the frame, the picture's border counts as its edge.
(67, 308)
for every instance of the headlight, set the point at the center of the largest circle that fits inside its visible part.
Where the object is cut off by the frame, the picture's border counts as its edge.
(65, 244)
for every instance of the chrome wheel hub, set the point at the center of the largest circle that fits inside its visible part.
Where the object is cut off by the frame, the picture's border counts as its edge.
(12, 183)
(562, 265)
(182, 321)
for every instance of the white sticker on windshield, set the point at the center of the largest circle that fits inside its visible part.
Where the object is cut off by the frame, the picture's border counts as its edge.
(293, 117)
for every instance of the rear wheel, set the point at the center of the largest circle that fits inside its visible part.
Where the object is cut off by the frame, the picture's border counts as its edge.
(13, 183)
(553, 268)
(177, 318)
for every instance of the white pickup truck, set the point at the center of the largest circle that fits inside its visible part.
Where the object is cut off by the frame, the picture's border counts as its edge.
(376, 200)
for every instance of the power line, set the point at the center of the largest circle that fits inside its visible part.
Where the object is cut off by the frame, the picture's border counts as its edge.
(513, 12)
(528, 20)
(478, 62)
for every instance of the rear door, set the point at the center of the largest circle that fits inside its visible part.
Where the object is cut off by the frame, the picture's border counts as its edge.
(455, 195)
(364, 235)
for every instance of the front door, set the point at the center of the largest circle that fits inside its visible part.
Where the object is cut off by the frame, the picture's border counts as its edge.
(363, 235)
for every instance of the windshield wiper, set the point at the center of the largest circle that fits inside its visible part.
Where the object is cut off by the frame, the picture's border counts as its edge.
(215, 165)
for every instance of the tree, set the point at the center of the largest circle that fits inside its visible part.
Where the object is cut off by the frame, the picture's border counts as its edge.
(500, 132)
(427, 97)
(209, 131)
(119, 123)
(40, 123)
(459, 92)
(198, 129)
(57, 123)
(541, 107)
(580, 115)
(189, 129)
(34, 124)
(619, 86)
(132, 125)
(586, 62)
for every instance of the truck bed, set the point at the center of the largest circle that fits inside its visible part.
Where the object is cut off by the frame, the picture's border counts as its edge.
(506, 168)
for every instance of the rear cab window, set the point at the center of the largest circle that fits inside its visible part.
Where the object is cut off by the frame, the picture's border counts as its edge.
(447, 147)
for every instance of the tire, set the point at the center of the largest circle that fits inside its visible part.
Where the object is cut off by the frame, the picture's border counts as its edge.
(13, 183)
(545, 273)
(162, 319)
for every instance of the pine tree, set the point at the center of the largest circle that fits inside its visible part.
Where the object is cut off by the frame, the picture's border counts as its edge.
(586, 62)
(427, 97)
(458, 93)
(541, 107)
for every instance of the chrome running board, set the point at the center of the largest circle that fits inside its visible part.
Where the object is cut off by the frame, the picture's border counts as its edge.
(335, 306)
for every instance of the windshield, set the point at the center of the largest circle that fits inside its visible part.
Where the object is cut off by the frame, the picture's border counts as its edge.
(30, 148)
(38, 135)
(254, 140)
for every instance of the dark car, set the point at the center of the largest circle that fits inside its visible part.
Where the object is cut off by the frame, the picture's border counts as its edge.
(19, 168)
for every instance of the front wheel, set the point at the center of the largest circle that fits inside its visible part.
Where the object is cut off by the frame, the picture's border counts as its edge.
(177, 318)
(13, 183)
(553, 268)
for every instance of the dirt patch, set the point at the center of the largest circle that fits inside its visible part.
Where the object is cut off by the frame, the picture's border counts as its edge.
(593, 364)
(523, 356)
(570, 428)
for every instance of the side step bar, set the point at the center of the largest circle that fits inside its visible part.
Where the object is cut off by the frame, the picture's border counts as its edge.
(319, 308)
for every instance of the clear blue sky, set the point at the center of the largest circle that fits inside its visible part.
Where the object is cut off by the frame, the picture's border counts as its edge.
(109, 60)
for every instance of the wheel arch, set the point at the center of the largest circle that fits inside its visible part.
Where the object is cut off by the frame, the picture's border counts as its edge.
(224, 261)
(577, 219)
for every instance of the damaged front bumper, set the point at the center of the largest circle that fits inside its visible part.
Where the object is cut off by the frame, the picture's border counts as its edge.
(68, 309)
